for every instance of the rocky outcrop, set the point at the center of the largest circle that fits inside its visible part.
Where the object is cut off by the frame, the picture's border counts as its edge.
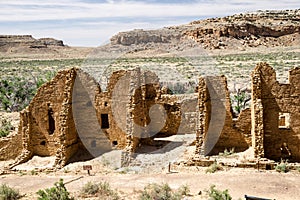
(140, 36)
(261, 28)
(27, 41)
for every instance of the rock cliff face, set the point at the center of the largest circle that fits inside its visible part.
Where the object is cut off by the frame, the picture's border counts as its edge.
(140, 36)
(261, 28)
(26, 41)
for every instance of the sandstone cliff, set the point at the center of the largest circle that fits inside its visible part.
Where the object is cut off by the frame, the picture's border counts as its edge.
(26, 41)
(261, 28)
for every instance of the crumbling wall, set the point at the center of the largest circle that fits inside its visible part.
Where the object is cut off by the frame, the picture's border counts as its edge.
(71, 114)
(243, 125)
(275, 113)
(47, 125)
(216, 129)
(113, 106)
(10, 146)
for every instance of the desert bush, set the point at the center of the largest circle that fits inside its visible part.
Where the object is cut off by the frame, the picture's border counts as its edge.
(213, 168)
(240, 100)
(15, 93)
(184, 190)
(227, 153)
(8, 193)
(215, 194)
(40, 80)
(33, 172)
(5, 128)
(101, 190)
(282, 167)
(160, 192)
(58, 192)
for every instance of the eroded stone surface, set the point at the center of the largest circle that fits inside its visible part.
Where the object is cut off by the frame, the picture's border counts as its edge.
(70, 115)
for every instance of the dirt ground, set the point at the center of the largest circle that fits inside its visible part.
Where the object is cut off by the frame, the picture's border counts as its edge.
(253, 182)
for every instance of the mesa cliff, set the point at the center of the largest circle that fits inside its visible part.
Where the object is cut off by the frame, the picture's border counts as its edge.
(261, 28)
(27, 41)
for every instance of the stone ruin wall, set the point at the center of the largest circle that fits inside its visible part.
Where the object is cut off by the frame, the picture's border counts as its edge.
(215, 128)
(10, 146)
(46, 125)
(275, 113)
(73, 91)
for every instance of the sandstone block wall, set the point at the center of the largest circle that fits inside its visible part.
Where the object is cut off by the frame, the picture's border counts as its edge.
(216, 129)
(46, 125)
(275, 113)
(70, 114)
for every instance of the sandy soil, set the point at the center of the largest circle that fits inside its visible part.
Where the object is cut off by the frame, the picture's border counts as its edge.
(267, 184)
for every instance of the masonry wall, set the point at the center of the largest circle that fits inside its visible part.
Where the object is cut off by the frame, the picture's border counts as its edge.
(273, 100)
(216, 129)
(70, 114)
(46, 125)
(11, 146)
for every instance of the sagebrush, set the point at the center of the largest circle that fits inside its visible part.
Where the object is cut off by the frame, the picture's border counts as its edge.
(8, 193)
(215, 194)
(163, 192)
(214, 168)
(58, 192)
(5, 128)
(102, 190)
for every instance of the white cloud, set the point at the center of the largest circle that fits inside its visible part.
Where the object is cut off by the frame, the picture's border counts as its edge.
(17, 10)
(79, 22)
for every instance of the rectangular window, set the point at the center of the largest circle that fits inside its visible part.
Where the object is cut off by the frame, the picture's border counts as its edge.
(104, 121)
(284, 120)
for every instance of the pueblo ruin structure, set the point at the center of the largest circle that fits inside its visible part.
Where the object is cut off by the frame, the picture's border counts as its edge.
(70, 115)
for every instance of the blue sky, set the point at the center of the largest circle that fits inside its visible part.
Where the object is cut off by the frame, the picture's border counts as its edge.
(93, 22)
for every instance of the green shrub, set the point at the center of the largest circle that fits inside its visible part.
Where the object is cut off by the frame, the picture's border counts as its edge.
(213, 168)
(215, 194)
(102, 190)
(5, 128)
(227, 153)
(15, 93)
(8, 193)
(58, 192)
(184, 190)
(159, 192)
(282, 167)
(33, 172)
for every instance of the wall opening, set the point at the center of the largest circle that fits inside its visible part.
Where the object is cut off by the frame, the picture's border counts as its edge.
(104, 121)
(93, 143)
(51, 121)
(43, 143)
(115, 143)
(284, 120)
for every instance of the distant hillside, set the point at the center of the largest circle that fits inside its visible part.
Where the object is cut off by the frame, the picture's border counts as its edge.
(261, 28)
(12, 42)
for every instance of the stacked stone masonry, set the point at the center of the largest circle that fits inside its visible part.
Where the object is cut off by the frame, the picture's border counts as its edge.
(70, 116)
